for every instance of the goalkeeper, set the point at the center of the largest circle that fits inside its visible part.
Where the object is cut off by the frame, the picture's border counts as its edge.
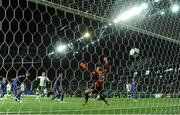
(98, 87)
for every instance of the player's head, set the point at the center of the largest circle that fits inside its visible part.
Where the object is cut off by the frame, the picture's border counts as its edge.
(43, 74)
(4, 79)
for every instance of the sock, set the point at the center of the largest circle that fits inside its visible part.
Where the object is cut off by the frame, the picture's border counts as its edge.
(86, 97)
(62, 97)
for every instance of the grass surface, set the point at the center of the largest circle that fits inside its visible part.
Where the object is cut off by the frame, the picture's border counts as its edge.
(74, 106)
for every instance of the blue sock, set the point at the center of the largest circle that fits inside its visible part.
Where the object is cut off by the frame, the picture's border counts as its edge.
(18, 96)
(62, 97)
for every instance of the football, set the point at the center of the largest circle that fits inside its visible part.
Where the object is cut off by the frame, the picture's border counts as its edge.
(134, 52)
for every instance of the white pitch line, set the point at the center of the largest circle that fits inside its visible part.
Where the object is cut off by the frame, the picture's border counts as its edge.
(97, 109)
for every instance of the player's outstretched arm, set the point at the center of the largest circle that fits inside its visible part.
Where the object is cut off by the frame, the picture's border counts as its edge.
(38, 78)
(48, 79)
(106, 65)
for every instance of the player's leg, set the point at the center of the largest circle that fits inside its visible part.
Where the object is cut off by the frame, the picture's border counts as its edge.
(56, 95)
(62, 96)
(44, 91)
(15, 91)
(2, 92)
(18, 96)
(90, 91)
(86, 94)
(41, 91)
(134, 95)
(38, 94)
(50, 93)
(102, 96)
(128, 94)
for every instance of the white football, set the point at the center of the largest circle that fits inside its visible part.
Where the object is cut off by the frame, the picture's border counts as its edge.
(134, 52)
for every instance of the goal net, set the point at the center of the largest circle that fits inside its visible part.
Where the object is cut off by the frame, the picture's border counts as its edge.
(69, 46)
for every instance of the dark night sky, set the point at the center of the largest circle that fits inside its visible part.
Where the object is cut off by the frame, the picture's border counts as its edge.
(30, 31)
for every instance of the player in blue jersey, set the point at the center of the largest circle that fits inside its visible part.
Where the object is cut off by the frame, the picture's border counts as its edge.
(3, 87)
(134, 90)
(16, 86)
(59, 94)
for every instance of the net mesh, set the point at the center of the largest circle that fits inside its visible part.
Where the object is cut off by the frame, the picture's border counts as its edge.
(31, 32)
(148, 20)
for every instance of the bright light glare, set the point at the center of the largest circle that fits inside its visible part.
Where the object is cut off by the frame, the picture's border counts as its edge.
(156, 0)
(115, 21)
(61, 48)
(86, 35)
(51, 53)
(144, 6)
(162, 12)
(175, 8)
(131, 13)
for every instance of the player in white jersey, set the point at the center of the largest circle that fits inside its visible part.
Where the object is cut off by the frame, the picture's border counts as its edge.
(42, 84)
(22, 88)
(128, 89)
(8, 88)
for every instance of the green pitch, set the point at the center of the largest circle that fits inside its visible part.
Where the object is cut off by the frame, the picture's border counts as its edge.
(74, 106)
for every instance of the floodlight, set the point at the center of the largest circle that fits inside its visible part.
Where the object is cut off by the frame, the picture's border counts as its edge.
(157, 0)
(86, 35)
(175, 8)
(131, 13)
(162, 12)
(144, 6)
(61, 48)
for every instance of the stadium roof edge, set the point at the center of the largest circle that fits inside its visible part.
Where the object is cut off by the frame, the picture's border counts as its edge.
(101, 19)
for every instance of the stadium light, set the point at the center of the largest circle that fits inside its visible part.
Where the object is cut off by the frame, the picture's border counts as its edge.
(51, 53)
(167, 70)
(175, 8)
(144, 6)
(131, 13)
(162, 12)
(115, 21)
(86, 35)
(157, 0)
(61, 48)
